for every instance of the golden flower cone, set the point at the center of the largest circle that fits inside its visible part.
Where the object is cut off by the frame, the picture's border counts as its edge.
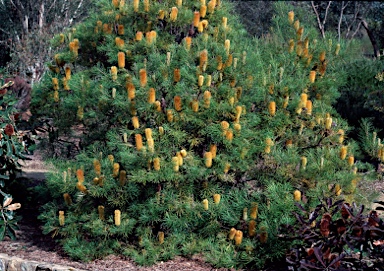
(272, 108)
(203, 11)
(80, 175)
(97, 167)
(338, 189)
(231, 234)
(252, 228)
(238, 238)
(146, 5)
(229, 135)
(173, 15)
(312, 76)
(200, 81)
(156, 163)
(143, 77)
(297, 195)
(67, 73)
(176, 75)
(114, 73)
(188, 43)
(139, 141)
(322, 56)
(196, 18)
(304, 161)
(117, 217)
(216, 198)
(177, 103)
(169, 115)
(195, 106)
(207, 98)
(81, 187)
(308, 106)
(161, 237)
(139, 36)
(116, 169)
(208, 159)
(351, 160)
(291, 17)
(343, 152)
(67, 199)
(254, 211)
(121, 60)
(205, 204)
(175, 163)
(213, 150)
(151, 96)
(120, 29)
(227, 45)
(337, 49)
(61, 218)
(122, 177)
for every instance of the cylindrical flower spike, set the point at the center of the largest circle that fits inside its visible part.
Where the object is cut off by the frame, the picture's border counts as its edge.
(308, 106)
(135, 122)
(351, 160)
(207, 98)
(238, 238)
(322, 56)
(161, 130)
(196, 18)
(161, 237)
(151, 145)
(81, 187)
(139, 142)
(200, 81)
(343, 152)
(238, 113)
(143, 77)
(291, 17)
(213, 150)
(61, 218)
(229, 135)
(80, 175)
(188, 43)
(272, 108)
(173, 15)
(252, 228)
(114, 73)
(151, 96)
(338, 189)
(208, 159)
(175, 163)
(121, 59)
(97, 167)
(176, 75)
(297, 195)
(169, 115)
(263, 235)
(328, 123)
(116, 169)
(100, 210)
(120, 29)
(195, 106)
(203, 58)
(245, 214)
(254, 210)
(296, 25)
(67, 199)
(231, 234)
(179, 3)
(203, 11)
(148, 133)
(122, 177)
(136, 5)
(312, 76)
(131, 90)
(157, 106)
(156, 163)
(227, 45)
(139, 36)
(205, 204)
(216, 198)
(291, 45)
(303, 162)
(67, 73)
(146, 5)
(117, 217)
(177, 103)
(337, 49)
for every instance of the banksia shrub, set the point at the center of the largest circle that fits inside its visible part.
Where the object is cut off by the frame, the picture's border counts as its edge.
(193, 113)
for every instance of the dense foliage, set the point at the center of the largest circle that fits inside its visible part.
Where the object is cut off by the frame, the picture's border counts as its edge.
(194, 137)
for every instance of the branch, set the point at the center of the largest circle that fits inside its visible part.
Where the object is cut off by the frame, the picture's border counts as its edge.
(318, 20)
(341, 19)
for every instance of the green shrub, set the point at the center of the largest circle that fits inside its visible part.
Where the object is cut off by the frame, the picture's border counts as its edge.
(148, 179)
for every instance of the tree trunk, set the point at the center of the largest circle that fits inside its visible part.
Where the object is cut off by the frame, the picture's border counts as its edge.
(376, 50)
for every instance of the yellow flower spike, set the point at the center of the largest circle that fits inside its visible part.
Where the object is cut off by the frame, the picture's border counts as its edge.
(338, 189)
(272, 108)
(231, 234)
(213, 150)
(203, 58)
(56, 96)
(139, 36)
(291, 17)
(151, 145)
(111, 158)
(254, 210)
(67, 199)
(125, 137)
(286, 101)
(62, 38)
(97, 167)
(322, 56)
(312, 76)
(146, 5)
(337, 49)
(120, 29)
(143, 77)
(100, 210)
(216, 198)
(328, 123)
(296, 25)
(131, 90)
(263, 235)
(303, 99)
(173, 15)
(122, 177)
(219, 63)
(176, 75)
(238, 113)
(80, 175)
(117, 217)
(245, 214)
(299, 33)
(238, 238)
(114, 73)
(151, 96)
(208, 159)
(121, 60)
(160, 236)
(161, 130)
(179, 3)
(267, 149)
(224, 22)
(67, 73)
(180, 157)
(177, 103)
(343, 152)
(169, 115)
(175, 163)
(227, 167)
(139, 142)
(203, 11)
(135, 122)
(297, 195)
(237, 127)
(229, 135)
(351, 160)
(252, 228)
(299, 48)
(161, 14)
(227, 45)
(207, 98)
(205, 204)
(229, 61)
(55, 83)
(224, 125)
(202, 2)
(211, 6)
(156, 163)
(61, 218)
(148, 133)
(157, 106)
(116, 169)
(303, 162)
(81, 187)
(291, 45)
(195, 106)
(188, 43)
(200, 81)
(308, 106)
(196, 18)
(136, 5)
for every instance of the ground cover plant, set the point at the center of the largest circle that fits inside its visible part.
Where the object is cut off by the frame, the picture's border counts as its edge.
(195, 138)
